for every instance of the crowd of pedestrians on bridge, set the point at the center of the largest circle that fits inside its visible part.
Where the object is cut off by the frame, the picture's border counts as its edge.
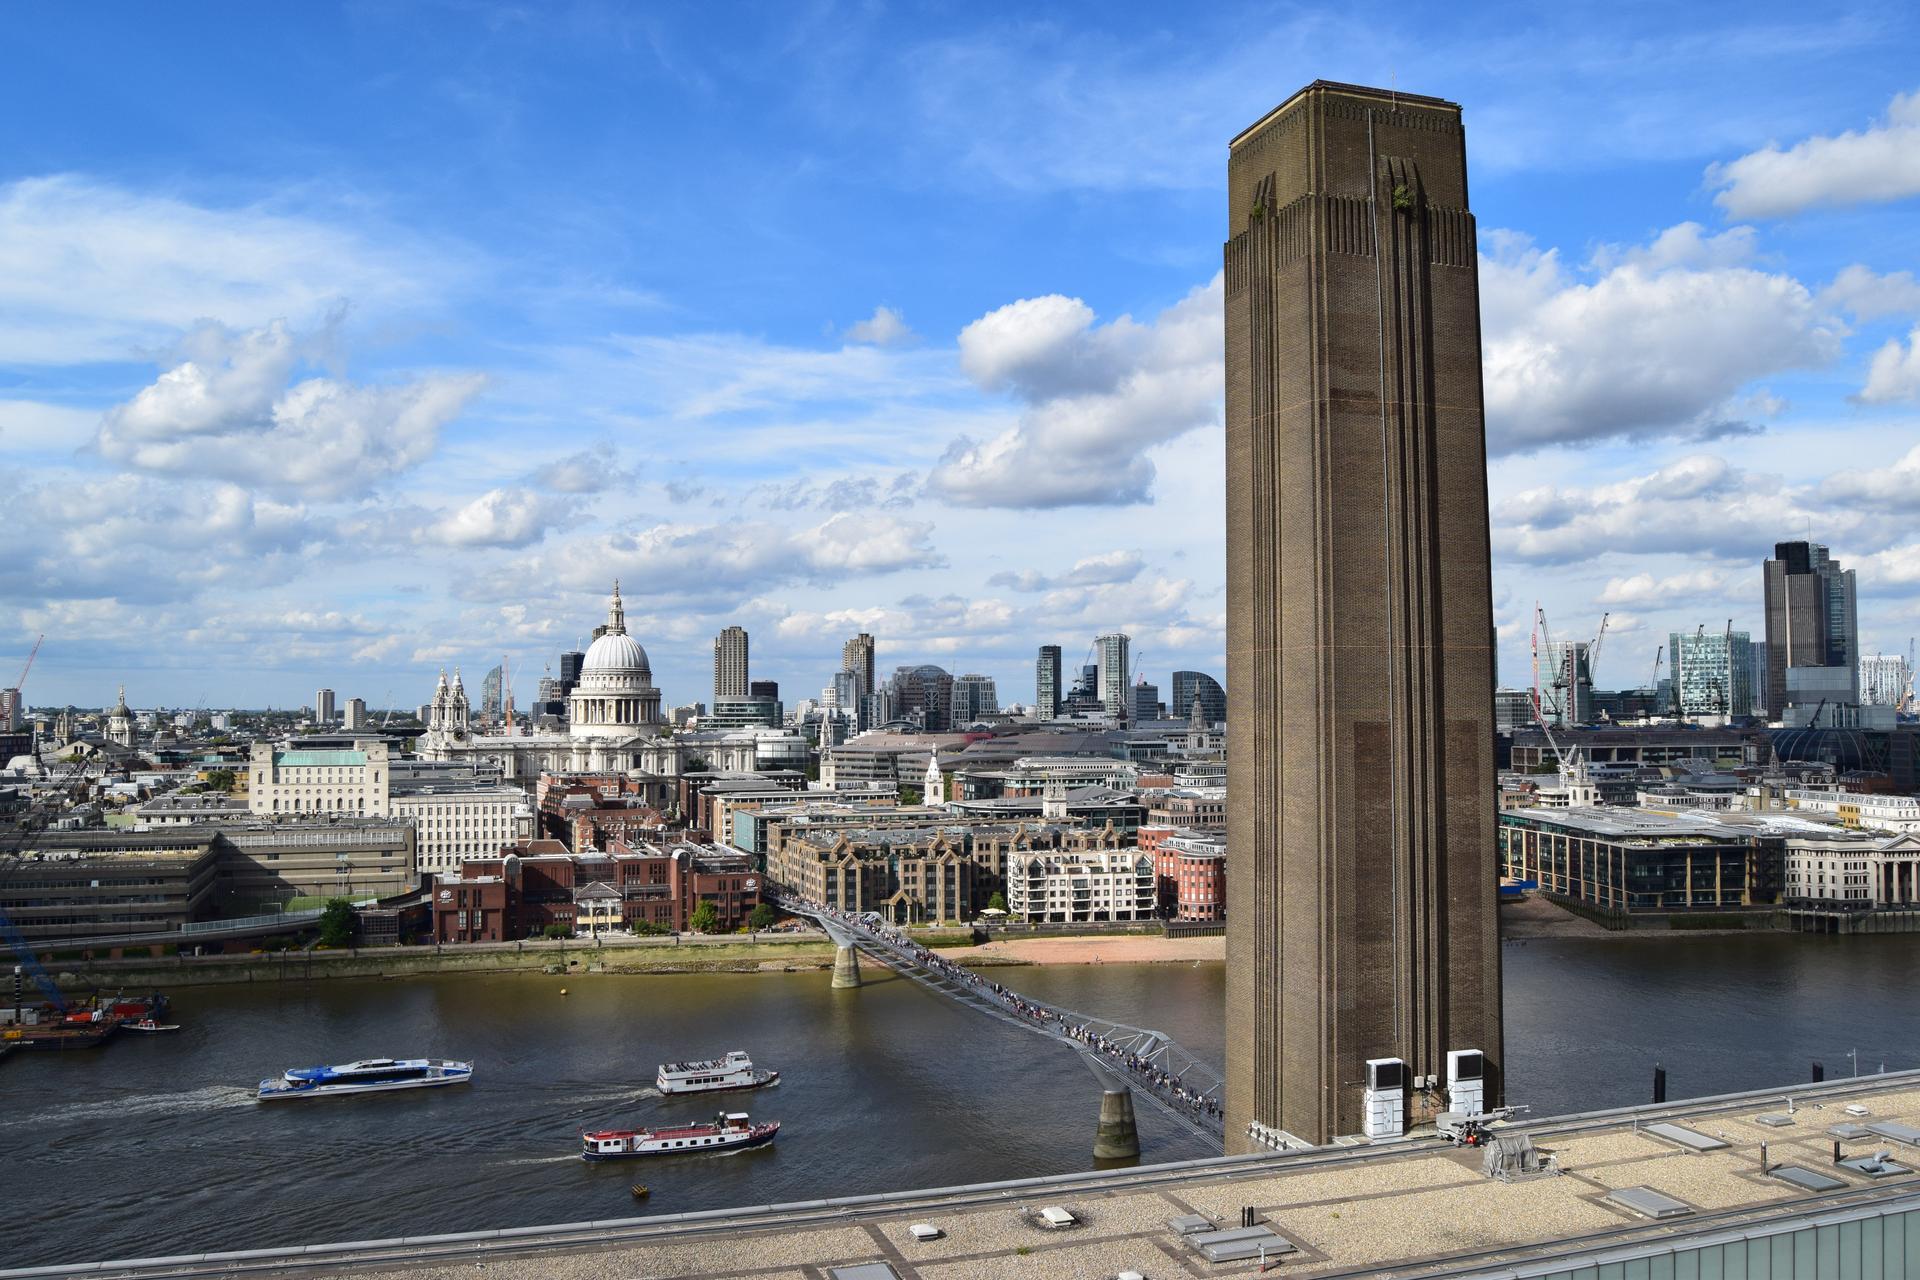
(1163, 1084)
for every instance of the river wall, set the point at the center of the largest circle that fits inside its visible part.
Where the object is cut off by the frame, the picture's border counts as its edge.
(730, 955)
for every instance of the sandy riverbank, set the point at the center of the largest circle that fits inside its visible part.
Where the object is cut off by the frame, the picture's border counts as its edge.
(1116, 949)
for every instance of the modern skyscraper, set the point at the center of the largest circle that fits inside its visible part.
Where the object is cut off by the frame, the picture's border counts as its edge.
(1046, 682)
(323, 709)
(1712, 674)
(1883, 679)
(856, 655)
(1359, 613)
(490, 693)
(1110, 652)
(924, 694)
(1811, 624)
(1189, 685)
(1145, 702)
(730, 664)
(1568, 697)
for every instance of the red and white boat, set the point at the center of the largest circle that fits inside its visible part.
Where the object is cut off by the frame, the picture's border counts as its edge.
(730, 1131)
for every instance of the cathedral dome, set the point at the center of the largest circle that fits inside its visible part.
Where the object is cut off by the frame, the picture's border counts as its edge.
(616, 654)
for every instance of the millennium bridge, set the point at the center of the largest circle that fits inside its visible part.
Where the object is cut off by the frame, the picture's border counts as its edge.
(1127, 1060)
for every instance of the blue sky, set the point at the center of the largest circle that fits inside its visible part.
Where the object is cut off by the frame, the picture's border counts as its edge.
(338, 343)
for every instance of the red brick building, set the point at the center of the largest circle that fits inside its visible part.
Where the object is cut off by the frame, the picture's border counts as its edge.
(1190, 871)
(591, 810)
(538, 883)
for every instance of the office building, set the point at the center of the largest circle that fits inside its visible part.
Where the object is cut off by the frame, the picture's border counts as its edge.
(356, 714)
(924, 696)
(490, 693)
(1813, 644)
(1512, 709)
(1192, 686)
(1712, 674)
(1757, 678)
(856, 656)
(730, 664)
(323, 708)
(1144, 702)
(973, 699)
(1046, 682)
(1110, 653)
(1566, 696)
(1359, 611)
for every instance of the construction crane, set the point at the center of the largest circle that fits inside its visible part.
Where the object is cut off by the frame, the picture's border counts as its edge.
(1593, 647)
(16, 704)
(1905, 704)
(389, 719)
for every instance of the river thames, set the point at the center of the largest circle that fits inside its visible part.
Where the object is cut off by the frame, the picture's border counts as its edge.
(156, 1146)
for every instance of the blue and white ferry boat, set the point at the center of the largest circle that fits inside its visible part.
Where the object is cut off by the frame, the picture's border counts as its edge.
(369, 1075)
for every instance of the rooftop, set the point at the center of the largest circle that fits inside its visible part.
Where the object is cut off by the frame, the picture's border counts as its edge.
(1417, 1208)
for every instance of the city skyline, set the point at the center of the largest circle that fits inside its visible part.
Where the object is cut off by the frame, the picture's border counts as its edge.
(318, 414)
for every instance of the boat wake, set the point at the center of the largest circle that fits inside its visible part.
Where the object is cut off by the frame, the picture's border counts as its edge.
(217, 1097)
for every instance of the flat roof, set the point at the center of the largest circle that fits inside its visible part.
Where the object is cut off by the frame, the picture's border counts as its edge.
(1423, 1208)
(1346, 90)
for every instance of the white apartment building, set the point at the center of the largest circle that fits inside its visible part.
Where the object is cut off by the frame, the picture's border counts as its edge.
(333, 774)
(454, 822)
(1074, 888)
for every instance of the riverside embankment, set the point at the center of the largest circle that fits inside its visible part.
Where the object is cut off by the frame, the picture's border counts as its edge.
(730, 954)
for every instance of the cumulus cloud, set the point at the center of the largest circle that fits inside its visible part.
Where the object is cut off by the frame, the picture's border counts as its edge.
(1871, 165)
(731, 562)
(1893, 488)
(133, 539)
(884, 328)
(1866, 295)
(1094, 398)
(226, 410)
(497, 518)
(1658, 341)
(591, 470)
(1108, 567)
(1894, 373)
(1698, 506)
(1645, 589)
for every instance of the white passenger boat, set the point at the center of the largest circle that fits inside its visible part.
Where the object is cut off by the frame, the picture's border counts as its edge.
(730, 1131)
(713, 1075)
(370, 1075)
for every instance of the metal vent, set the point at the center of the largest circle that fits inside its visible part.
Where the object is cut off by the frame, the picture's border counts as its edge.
(1649, 1203)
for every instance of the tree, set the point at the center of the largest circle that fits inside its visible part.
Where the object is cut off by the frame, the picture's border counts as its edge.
(910, 795)
(557, 931)
(761, 917)
(998, 902)
(705, 918)
(336, 923)
(220, 779)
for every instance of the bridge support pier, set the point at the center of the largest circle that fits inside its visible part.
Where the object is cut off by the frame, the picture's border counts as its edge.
(1117, 1137)
(846, 968)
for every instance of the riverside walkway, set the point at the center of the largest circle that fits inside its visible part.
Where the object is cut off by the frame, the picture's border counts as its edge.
(1182, 1086)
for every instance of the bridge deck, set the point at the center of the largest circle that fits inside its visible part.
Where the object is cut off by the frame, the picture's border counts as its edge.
(1181, 1086)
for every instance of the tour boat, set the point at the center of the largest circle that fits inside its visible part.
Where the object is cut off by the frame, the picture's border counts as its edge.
(370, 1075)
(730, 1131)
(713, 1075)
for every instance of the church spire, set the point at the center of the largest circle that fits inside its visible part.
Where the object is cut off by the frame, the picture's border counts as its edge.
(617, 614)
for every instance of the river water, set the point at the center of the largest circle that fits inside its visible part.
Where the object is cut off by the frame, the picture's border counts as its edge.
(155, 1145)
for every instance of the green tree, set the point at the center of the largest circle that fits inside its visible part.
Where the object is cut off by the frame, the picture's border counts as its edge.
(998, 902)
(761, 917)
(220, 779)
(557, 931)
(705, 918)
(910, 795)
(336, 923)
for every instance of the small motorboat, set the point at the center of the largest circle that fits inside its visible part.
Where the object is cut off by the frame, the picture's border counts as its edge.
(149, 1025)
(640, 1192)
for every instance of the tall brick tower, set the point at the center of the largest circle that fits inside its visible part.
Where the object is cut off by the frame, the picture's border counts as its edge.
(1360, 811)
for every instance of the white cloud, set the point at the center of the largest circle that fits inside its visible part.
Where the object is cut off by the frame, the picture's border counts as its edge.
(884, 328)
(591, 470)
(1895, 372)
(226, 411)
(1663, 341)
(1895, 487)
(29, 426)
(497, 518)
(1095, 399)
(1697, 507)
(1645, 589)
(728, 562)
(1871, 165)
(1108, 567)
(1865, 295)
(89, 271)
